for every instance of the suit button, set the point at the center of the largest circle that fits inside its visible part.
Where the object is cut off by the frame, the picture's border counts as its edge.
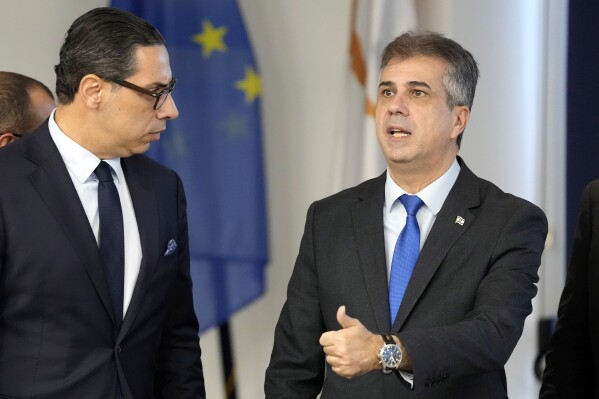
(118, 349)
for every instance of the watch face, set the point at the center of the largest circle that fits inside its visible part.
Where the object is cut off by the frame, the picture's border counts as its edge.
(391, 356)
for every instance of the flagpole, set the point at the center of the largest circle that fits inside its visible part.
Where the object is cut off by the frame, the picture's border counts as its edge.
(226, 349)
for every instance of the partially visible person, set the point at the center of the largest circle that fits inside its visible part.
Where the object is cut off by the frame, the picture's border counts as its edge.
(572, 361)
(24, 104)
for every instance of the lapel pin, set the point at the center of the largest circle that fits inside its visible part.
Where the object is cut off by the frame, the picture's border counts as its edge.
(460, 220)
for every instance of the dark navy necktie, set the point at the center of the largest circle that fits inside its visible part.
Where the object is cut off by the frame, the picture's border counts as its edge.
(112, 244)
(405, 255)
(112, 237)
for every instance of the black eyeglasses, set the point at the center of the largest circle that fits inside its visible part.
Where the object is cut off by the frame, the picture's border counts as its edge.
(160, 96)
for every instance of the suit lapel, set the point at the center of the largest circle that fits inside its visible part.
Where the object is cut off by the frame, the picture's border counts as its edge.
(368, 228)
(446, 230)
(54, 185)
(145, 205)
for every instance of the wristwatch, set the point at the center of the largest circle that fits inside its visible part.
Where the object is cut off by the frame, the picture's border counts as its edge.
(389, 355)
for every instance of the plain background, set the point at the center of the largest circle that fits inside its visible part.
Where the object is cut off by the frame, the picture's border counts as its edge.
(515, 137)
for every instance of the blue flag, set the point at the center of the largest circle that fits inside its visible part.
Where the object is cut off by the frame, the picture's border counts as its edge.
(215, 146)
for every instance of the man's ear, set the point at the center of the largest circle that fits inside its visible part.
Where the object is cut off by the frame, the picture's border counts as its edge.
(91, 88)
(7, 138)
(461, 116)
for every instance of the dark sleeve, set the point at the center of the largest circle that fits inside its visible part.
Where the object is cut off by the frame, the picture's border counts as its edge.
(2, 240)
(483, 340)
(569, 367)
(296, 368)
(179, 364)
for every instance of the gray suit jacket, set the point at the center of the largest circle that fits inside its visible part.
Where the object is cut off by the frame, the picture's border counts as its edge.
(463, 311)
(58, 336)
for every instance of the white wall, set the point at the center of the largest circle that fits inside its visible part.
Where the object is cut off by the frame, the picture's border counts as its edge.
(300, 46)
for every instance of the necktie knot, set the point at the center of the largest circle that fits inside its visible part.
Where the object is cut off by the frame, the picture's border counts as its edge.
(103, 172)
(412, 203)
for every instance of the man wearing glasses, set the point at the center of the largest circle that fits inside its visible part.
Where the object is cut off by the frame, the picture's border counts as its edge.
(24, 104)
(95, 291)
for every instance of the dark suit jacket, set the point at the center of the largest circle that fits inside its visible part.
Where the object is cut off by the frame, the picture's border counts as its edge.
(572, 362)
(57, 330)
(463, 310)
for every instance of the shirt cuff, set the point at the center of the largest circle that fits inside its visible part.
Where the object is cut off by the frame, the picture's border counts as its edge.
(408, 377)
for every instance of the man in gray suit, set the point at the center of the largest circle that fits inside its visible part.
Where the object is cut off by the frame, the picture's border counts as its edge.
(416, 283)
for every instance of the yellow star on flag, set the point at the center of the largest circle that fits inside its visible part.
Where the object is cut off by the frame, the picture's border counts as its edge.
(251, 85)
(211, 39)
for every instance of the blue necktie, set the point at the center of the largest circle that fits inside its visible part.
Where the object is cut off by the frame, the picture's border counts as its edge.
(405, 255)
(112, 244)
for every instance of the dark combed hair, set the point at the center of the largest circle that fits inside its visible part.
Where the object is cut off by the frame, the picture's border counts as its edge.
(16, 111)
(462, 72)
(103, 42)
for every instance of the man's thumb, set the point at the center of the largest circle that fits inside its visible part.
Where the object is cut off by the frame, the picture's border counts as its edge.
(344, 320)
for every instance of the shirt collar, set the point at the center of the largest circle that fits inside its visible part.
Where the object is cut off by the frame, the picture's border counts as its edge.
(433, 195)
(80, 162)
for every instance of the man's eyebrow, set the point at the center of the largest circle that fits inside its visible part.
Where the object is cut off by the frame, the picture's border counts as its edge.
(158, 85)
(416, 83)
(412, 83)
(386, 83)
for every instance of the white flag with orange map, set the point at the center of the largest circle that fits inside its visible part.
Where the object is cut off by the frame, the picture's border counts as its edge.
(374, 24)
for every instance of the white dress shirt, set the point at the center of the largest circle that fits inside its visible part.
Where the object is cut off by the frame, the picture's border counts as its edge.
(81, 165)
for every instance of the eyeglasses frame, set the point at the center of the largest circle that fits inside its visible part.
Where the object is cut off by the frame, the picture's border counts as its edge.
(157, 95)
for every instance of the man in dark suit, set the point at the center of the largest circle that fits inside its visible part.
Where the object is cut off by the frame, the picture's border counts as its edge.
(572, 361)
(347, 329)
(95, 291)
(24, 104)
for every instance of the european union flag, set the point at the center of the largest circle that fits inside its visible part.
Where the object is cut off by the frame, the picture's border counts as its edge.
(215, 146)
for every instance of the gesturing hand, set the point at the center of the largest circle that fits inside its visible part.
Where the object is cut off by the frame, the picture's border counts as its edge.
(351, 351)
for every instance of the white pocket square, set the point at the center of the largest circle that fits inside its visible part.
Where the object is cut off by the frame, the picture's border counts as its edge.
(170, 247)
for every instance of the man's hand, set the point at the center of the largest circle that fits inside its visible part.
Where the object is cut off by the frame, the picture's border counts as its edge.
(353, 350)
